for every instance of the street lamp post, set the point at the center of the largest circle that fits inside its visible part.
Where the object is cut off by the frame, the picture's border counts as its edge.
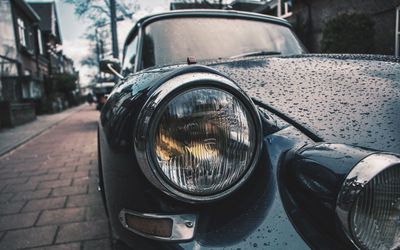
(113, 22)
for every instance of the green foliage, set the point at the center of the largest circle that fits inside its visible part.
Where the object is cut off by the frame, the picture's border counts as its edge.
(348, 33)
(65, 82)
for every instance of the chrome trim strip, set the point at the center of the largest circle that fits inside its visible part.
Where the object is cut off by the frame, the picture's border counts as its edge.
(183, 228)
(362, 173)
(145, 130)
(139, 46)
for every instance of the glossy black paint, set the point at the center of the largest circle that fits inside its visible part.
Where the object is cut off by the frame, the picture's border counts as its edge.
(260, 214)
(231, 220)
(311, 179)
(290, 198)
(351, 99)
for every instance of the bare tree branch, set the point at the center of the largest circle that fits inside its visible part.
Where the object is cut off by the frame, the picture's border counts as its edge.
(101, 9)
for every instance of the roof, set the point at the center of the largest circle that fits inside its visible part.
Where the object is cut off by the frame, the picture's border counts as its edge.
(205, 13)
(211, 12)
(47, 12)
(27, 10)
(242, 5)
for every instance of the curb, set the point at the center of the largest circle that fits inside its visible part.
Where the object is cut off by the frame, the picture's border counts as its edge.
(42, 131)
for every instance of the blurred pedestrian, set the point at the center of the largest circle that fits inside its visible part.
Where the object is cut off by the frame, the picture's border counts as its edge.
(90, 98)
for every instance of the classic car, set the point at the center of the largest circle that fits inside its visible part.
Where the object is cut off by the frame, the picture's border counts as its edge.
(101, 91)
(223, 132)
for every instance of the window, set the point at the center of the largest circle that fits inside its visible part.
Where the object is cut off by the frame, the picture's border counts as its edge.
(21, 32)
(128, 65)
(25, 35)
(171, 41)
(40, 43)
(397, 32)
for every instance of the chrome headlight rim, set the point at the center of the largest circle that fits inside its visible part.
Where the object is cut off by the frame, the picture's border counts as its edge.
(354, 184)
(147, 124)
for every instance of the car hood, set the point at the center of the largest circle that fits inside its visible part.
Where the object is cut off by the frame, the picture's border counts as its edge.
(343, 99)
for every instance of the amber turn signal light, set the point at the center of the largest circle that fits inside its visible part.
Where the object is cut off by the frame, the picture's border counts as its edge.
(165, 227)
(161, 227)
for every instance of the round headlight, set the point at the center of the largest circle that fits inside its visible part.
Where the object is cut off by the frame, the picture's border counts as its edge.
(204, 141)
(369, 203)
(201, 137)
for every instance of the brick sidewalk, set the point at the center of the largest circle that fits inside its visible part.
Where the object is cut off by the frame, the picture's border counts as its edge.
(48, 190)
(10, 138)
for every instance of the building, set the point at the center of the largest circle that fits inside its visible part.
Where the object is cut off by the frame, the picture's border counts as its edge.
(309, 17)
(20, 81)
(35, 76)
(60, 74)
(51, 62)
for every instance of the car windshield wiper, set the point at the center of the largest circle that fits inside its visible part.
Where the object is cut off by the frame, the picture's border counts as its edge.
(257, 53)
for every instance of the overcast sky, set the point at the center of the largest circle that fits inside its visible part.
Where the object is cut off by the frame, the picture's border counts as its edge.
(73, 29)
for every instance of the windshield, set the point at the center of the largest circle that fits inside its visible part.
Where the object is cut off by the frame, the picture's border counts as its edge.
(171, 41)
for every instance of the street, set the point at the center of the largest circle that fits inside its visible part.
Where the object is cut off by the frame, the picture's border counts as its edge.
(48, 189)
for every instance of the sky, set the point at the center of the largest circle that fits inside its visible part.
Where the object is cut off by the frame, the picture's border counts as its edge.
(73, 28)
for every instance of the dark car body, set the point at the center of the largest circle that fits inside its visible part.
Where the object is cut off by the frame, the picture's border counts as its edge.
(312, 104)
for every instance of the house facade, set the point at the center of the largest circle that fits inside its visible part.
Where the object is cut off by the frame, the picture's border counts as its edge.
(20, 83)
(9, 64)
(309, 17)
(30, 61)
(27, 35)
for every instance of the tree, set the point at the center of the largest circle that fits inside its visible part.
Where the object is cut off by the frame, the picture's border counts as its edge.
(65, 82)
(348, 33)
(98, 33)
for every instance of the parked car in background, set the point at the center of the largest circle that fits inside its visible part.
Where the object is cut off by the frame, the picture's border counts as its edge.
(101, 91)
(224, 133)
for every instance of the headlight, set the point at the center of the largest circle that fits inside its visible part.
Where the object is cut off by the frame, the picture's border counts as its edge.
(369, 203)
(199, 137)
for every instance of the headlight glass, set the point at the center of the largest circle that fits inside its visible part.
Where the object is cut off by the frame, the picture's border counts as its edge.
(204, 141)
(375, 217)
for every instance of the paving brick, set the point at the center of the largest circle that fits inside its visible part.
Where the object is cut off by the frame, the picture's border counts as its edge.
(103, 244)
(70, 246)
(78, 174)
(29, 186)
(54, 184)
(18, 180)
(31, 237)
(11, 208)
(64, 174)
(5, 197)
(35, 172)
(67, 169)
(8, 174)
(60, 216)
(94, 172)
(72, 190)
(15, 221)
(93, 187)
(43, 204)
(30, 195)
(81, 181)
(84, 167)
(84, 200)
(46, 177)
(82, 231)
(95, 213)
